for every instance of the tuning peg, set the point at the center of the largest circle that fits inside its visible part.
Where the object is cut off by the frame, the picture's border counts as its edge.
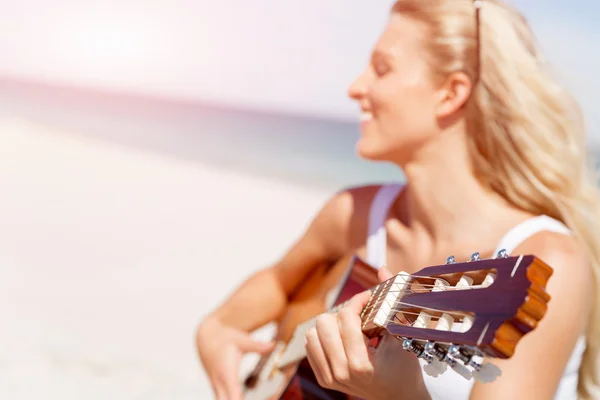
(488, 280)
(452, 359)
(435, 368)
(432, 355)
(455, 353)
(440, 285)
(461, 370)
(413, 347)
(502, 254)
(486, 373)
(465, 282)
(435, 351)
(475, 257)
(483, 372)
(450, 260)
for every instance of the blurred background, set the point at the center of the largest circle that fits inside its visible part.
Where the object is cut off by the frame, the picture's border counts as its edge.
(155, 153)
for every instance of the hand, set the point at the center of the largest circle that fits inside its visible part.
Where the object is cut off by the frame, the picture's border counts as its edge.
(220, 349)
(343, 360)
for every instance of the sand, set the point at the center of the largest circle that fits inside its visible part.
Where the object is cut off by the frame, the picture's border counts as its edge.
(109, 257)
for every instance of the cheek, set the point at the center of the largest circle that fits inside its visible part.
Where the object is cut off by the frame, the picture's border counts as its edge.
(404, 120)
(404, 111)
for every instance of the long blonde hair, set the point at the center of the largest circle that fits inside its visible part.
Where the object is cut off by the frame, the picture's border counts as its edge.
(527, 137)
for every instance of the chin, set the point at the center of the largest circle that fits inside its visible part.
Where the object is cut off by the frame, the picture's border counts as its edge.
(369, 151)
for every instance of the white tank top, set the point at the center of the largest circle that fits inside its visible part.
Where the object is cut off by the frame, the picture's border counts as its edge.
(450, 385)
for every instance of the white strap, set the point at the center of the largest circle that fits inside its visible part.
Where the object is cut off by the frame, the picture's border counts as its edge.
(523, 231)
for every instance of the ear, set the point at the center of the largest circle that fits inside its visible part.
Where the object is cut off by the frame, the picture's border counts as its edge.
(453, 94)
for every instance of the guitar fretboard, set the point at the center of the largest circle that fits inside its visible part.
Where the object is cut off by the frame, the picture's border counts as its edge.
(295, 350)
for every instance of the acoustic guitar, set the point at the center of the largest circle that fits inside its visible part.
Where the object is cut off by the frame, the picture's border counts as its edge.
(454, 316)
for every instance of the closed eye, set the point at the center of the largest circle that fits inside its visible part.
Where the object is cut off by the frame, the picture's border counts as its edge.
(380, 62)
(380, 68)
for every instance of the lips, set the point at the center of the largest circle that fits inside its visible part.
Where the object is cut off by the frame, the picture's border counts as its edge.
(366, 116)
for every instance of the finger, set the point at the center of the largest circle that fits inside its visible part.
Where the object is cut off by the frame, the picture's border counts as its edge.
(232, 388)
(328, 332)
(317, 358)
(228, 375)
(358, 302)
(384, 274)
(355, 343)
(219, 390)
(390, 351)
(248, 344)
(316, 369)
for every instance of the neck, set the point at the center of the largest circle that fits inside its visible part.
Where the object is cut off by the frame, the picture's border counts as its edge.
(444, 198)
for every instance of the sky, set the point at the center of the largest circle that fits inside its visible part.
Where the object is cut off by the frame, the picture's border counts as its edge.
(282, 55)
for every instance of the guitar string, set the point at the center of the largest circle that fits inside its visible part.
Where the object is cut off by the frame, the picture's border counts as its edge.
(419, 290)
(409, 287)
(443, 288)
(379, 302)
(376, 291)
(410, 290)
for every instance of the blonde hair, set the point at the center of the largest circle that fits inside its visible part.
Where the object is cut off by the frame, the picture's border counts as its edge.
(526, 136)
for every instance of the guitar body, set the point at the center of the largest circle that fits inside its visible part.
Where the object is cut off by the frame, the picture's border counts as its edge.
(326, 286)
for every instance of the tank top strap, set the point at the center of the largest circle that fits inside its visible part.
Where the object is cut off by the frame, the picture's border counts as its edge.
(523, 231)
(377, 236)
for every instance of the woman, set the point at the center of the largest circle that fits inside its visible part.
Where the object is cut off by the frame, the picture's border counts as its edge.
(458, 96)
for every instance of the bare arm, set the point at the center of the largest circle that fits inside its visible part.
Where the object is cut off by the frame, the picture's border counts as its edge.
(264, 296)
(223, 337)
(535, 370)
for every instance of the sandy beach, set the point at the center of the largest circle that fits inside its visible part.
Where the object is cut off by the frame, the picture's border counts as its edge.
(109, 256)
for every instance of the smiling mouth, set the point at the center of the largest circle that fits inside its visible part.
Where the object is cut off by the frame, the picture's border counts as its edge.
(366, 116)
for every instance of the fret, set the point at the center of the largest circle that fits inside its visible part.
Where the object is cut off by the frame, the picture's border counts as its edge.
(383, 310)
(295, 350)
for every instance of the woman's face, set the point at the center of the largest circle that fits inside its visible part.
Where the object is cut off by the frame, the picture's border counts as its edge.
(396, 94)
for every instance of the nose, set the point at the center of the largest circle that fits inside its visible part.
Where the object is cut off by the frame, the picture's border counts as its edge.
(359, 87)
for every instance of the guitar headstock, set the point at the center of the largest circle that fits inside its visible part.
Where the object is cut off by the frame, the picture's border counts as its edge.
(459, 313)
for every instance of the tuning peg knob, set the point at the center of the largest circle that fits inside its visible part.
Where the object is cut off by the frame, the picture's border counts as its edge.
(458, 367)
(454, 352)
(488, 372)
(413, 347)
(475, 256)
(450, 260)
(435, 368)
(462, 370)
(502, 254)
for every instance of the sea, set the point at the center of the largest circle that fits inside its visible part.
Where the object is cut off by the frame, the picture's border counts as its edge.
(307, 150)
(311, 151)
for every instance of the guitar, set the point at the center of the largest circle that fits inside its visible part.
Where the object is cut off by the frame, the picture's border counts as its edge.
(452, 316)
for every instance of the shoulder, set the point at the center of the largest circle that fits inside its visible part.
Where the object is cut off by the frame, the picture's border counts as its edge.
(564, 253)
(349, 202)
(571, 286)
(337, 229)
(343, 220)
